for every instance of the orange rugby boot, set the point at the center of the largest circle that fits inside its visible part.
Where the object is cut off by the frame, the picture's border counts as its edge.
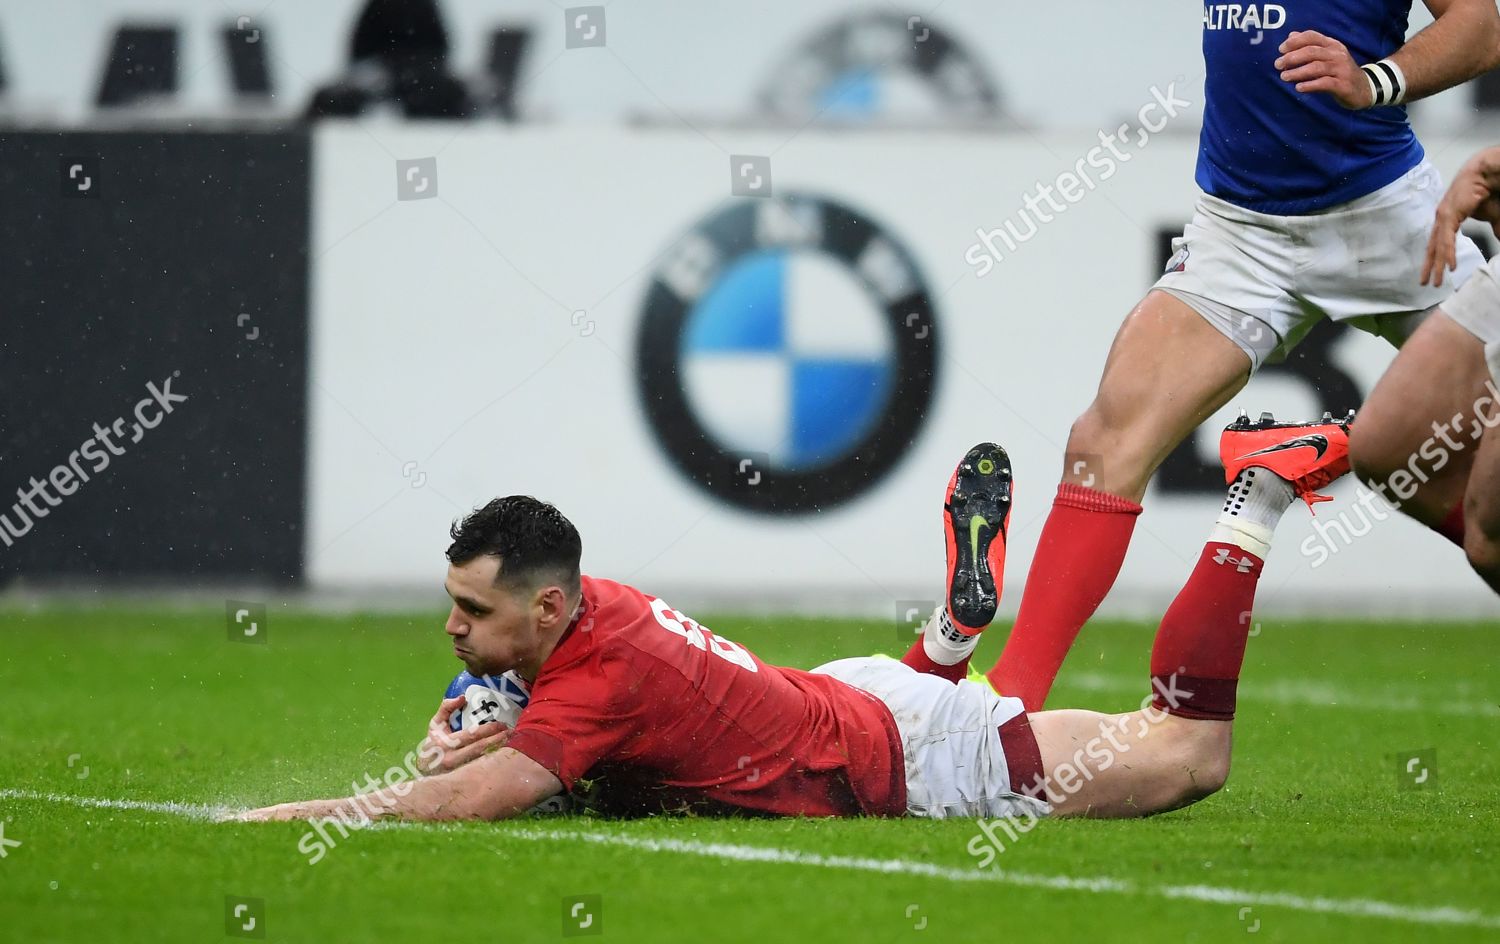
(1308, 455)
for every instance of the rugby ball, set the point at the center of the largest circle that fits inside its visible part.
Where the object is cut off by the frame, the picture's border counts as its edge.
(488, 699)
(497, 699)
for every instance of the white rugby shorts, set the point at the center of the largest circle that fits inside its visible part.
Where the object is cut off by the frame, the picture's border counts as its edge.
(956, 751)
(1265, 280)
(1476, 306)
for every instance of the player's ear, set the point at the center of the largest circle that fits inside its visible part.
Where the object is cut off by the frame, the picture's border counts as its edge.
(552, 604)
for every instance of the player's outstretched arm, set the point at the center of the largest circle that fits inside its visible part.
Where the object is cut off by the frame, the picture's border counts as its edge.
(1463, 42)
(496, 786)
(1475, 193)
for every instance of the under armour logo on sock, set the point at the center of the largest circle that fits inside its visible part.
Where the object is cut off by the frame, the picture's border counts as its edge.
(1242, 565)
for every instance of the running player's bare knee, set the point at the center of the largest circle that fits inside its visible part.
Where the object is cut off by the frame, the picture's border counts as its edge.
(1365, 461)
(1482, 547)
(1372, 452)
(1104, 453)
(1089, 432)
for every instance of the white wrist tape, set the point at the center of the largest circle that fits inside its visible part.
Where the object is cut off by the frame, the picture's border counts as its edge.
(1387, 82)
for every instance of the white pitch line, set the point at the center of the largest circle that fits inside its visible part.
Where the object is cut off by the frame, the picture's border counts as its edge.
(1347, 907)
(1312, 694)
(187, 810)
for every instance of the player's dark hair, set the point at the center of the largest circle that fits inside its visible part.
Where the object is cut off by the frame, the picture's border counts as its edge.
(533, 540)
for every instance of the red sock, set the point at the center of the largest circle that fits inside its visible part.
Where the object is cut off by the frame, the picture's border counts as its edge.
(917, 658)
(1452, 527)
(1077, 560)
(1200, 647)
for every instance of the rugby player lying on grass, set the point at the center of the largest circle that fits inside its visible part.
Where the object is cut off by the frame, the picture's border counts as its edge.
(670, 716)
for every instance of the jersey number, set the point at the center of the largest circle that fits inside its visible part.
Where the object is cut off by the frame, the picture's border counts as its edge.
(700, 638)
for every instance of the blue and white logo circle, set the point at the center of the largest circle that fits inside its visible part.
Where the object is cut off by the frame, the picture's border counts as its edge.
(787, 353)
(868, 66)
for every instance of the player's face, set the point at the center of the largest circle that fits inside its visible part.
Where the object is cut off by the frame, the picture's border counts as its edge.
(493, 630)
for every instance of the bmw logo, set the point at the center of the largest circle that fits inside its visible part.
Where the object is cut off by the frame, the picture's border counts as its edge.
(870, 65)
(787, 353)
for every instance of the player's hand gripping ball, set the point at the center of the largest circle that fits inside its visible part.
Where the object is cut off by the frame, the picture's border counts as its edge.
(497, 699)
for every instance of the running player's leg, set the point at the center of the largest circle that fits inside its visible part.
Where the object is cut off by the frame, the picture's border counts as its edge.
(1359, 262)
(1410, 444)
(1168, 370)
(1364, 267)
(1433, 413)
(1482, 500)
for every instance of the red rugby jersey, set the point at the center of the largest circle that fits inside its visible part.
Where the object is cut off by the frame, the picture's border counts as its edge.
(670, 716)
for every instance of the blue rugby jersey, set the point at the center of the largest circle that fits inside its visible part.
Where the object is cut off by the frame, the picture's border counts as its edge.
(1268, 148)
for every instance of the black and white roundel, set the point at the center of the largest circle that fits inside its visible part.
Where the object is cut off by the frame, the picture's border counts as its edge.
(787, 353)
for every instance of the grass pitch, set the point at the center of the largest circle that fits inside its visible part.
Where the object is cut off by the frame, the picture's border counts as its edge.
(1323, 833)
